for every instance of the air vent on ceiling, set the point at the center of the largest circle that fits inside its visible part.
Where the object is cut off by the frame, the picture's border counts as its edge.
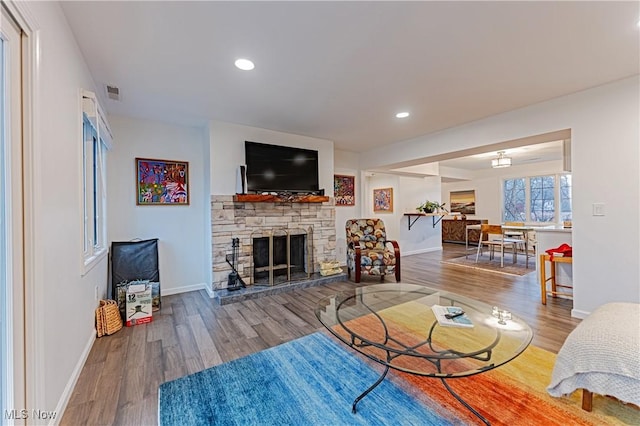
(113, 92)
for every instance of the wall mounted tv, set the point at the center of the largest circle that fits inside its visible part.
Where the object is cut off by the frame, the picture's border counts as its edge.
(274, 168)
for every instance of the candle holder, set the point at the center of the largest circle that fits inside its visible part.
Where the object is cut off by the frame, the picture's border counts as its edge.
(502, 315)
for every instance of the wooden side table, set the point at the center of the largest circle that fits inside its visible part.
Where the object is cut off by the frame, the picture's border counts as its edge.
(543, 276)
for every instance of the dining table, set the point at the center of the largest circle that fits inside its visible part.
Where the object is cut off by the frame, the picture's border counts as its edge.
(525, 230)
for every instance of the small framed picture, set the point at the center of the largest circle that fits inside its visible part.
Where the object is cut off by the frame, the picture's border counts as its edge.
(344, 190)
(383, 200)
(162, 182)
(463, 201)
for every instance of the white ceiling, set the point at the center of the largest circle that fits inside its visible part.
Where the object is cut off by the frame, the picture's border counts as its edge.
(341, 70)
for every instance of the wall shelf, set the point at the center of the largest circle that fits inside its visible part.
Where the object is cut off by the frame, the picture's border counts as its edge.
(280, 198)
(419, 215)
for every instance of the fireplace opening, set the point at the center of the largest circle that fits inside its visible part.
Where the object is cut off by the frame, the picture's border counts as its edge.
(280, 258)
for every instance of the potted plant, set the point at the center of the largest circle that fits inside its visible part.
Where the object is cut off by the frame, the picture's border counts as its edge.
(432, 207)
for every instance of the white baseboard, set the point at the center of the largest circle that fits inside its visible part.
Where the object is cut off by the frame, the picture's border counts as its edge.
(576, 313)
(73, 380)
(210, 291)
(183, 289)
(427, 250)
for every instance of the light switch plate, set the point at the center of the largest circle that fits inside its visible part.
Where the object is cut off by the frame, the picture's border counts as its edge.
(598, 209)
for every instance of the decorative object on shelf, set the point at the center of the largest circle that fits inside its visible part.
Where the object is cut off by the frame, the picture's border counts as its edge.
(383, 200)
(463, 202)
(162, 182)
(432, 207)
(344, 190)
(501, 161)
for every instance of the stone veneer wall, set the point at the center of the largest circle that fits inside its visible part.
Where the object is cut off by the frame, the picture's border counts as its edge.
(231, 219)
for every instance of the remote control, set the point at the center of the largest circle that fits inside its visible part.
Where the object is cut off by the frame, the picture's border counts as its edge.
(451, 316)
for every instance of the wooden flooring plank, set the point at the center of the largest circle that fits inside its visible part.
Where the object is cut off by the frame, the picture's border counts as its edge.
(208, 352)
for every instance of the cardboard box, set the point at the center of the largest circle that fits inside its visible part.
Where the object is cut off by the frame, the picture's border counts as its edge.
(139, 309)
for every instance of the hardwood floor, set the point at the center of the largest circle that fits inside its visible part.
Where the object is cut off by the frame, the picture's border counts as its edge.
(119, 382)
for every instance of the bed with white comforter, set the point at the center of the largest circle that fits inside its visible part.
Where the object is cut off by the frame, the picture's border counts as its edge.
(602, 355)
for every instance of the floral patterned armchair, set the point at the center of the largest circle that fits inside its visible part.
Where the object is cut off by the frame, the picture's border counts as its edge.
(369, 251)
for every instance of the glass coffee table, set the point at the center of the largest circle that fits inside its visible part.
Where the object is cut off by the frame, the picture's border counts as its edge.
(394, 325)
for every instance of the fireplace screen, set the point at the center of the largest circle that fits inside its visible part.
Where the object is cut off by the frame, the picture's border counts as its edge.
(280, 256)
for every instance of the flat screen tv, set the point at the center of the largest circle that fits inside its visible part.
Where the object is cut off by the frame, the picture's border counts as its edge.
(275, 168)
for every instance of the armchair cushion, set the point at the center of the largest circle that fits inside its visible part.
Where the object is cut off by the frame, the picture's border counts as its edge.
(368, 250)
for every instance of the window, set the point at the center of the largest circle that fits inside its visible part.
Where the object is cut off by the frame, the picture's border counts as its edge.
(515, 200)
(96, 141)
(537, 199)
(565, 197)
(542, 198)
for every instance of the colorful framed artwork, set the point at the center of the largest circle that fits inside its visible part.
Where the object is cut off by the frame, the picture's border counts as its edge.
(162, 182)
(383, 200)
(344, 190)
(463, 202)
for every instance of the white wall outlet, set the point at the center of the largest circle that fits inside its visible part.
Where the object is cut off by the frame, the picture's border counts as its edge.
(598, 209)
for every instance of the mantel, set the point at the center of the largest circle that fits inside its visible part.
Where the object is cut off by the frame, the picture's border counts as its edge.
(292, 198)
(419, 215)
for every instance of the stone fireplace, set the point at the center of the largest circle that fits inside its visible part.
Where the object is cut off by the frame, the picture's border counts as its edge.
(279, 241)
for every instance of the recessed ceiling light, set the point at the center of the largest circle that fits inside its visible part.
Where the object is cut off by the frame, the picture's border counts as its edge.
(402, 115)
(244, 64)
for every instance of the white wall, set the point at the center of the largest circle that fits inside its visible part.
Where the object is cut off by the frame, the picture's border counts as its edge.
(605, 169)
(423, 236)
(346, 163)
(488, 187)
(227, 153)
(408, 193)
(183, 232)
(63, 299)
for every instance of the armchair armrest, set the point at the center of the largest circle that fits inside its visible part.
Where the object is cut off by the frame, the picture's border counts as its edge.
(396, 253)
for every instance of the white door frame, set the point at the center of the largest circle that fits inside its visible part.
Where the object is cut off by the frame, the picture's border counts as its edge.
(28, 354)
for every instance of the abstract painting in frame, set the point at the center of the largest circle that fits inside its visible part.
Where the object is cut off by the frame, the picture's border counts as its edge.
(344, 190)
(383, 200)
(463, 202)
(162, 182)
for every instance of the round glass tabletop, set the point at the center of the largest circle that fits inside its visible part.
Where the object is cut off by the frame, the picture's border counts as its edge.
(396, 325)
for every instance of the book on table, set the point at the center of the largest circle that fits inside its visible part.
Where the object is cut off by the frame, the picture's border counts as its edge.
(451, 316)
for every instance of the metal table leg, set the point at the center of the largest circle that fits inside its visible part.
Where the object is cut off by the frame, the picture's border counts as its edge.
(384, 374)
(465, 403)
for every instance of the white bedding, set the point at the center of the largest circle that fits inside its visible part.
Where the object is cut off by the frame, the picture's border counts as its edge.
(602, 355)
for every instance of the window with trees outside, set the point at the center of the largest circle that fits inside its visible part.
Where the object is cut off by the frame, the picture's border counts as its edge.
(544, 199)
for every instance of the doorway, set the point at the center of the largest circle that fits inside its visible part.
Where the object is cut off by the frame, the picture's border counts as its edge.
(12, 377)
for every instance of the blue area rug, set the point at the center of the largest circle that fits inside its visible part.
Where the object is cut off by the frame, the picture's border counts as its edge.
(309, 381)
(313, 381)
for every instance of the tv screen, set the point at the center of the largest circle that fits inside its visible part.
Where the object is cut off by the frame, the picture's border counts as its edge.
(280, 168)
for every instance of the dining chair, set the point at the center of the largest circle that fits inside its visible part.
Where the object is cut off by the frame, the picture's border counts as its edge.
(493, 236)
(513, 233)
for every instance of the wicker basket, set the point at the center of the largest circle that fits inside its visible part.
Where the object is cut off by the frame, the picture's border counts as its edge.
(108, 319)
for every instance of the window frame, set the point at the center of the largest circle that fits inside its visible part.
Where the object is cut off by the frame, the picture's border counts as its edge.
(557, 202)
(96, 141)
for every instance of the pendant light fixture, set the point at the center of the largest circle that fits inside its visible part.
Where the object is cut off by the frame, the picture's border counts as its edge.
(501, 161)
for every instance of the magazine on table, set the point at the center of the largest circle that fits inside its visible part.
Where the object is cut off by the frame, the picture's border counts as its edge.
(451, 316)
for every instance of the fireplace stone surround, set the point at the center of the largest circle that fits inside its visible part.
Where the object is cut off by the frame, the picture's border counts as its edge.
(243, 220)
